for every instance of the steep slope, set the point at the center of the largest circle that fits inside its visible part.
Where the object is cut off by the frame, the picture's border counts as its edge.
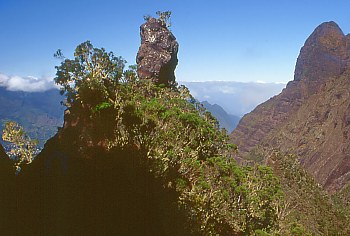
(315, 98)
(135, 157)
(138, 157)
(307, 204)
(319, 133)
(150, 164)
(8, 191)
(227, 121)
(6, 167)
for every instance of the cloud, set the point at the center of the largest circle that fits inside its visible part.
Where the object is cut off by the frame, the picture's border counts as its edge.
(26, 84)
(227, 89)
(236, 98)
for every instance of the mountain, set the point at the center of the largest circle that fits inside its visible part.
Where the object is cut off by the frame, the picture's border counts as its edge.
(139, 156)
(310, 117)
(40, 113)
(227, 121)
(237, 98)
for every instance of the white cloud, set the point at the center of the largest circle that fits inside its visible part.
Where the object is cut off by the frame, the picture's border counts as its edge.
(236, 98)
(26, 84)
(227, 89)
(261, 82)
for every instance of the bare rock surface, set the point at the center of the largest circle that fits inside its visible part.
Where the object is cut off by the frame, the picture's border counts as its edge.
(157, 56)
(310, 116)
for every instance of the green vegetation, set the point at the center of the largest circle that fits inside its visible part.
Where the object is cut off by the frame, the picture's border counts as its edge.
(136, 153)
(135, 157)
(182, 147)
(178, 140)
(307, 209)
(163, 16)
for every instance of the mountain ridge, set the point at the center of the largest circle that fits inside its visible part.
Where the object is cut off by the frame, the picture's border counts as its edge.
(40, 113)
(322, 62)
(227, 121)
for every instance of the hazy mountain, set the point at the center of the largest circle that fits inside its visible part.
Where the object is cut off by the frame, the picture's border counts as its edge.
(227, 121)
(235, 98)
(40, 113)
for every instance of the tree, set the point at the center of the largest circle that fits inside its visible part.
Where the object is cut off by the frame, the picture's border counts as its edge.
(165, 17)
(89, 77)
(22, 146)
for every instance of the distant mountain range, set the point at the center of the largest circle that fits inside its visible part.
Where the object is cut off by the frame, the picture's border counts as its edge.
(237, 98)
(40, 113)
(227, 121)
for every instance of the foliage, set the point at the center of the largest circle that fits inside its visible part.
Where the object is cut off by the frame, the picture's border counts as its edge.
(306, 209)
(90, 75)
(179, 142)
(22, 147)
(102, 106)
(165, 17)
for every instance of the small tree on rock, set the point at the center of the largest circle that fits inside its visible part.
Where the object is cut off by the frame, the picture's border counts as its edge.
(22, 146)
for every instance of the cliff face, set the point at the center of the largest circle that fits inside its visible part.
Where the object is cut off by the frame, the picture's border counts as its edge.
(324, 55)
(315, 98)
(318, 132)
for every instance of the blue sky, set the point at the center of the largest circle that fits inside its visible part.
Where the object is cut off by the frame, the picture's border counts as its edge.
(243, 40)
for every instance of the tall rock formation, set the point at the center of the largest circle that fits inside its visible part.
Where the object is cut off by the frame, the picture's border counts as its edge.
(324, 55)
(157, 56)
(309, 116)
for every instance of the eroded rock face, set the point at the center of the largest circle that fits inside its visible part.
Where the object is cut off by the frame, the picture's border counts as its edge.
(157, 56)
(307, 117)
(325, 54)
(318, 132)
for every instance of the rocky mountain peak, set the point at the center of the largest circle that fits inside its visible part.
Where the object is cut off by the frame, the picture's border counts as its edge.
(309, 116)
(325, 54)
(157, 55)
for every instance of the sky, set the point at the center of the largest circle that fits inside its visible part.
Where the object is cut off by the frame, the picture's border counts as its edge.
(222, 40)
